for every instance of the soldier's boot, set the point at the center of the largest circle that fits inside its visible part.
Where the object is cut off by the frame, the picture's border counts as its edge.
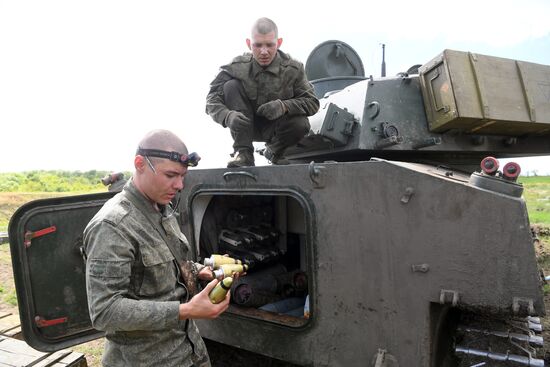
(242, 158)
(275, 158)
(280, 161)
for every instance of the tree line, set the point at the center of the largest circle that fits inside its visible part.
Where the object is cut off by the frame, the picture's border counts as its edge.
(53, 181)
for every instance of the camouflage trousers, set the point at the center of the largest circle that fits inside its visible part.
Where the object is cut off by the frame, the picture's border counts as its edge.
(203, 361)
(278, 134)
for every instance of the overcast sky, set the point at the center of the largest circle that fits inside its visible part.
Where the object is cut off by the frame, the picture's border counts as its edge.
(82, 81)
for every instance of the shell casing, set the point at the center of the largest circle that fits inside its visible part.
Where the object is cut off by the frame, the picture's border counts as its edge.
(215, 261)
(218, 293)
(229, 269)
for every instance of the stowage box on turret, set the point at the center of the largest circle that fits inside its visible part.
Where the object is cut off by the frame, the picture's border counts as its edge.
(394, 238)
(486, 95)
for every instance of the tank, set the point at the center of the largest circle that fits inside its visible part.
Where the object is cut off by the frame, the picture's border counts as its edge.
(394, 239)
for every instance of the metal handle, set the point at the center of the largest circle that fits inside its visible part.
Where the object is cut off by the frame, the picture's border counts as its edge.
(376, 110)
(227, 175)
(333, 118)
(432, 93)
(316, 175)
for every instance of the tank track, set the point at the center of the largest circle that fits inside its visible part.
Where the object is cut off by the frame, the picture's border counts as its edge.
(484, 342)
(477, 341)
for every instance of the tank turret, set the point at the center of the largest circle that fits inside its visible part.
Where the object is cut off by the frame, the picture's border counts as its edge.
(454, 110)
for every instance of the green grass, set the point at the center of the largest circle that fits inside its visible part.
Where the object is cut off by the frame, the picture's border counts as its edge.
(7, 287)
(537, 196)
(11, 298)
(539, 217)
(5, 257)
(93, 351)
(52, 181)
(17, 188)
(534, 179)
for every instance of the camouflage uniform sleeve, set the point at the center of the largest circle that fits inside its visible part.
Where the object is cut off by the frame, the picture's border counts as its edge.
(215, 104)
(305, 101)
(199, 266)
(108, 270)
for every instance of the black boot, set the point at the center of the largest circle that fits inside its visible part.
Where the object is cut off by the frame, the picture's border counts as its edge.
(243, 158)
(274, 158)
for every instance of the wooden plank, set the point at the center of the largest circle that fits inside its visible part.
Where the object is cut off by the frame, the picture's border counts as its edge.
(17, 353)
(8, 321)
(62, 358)
(72, 360)
(52, 359)
(10, 326)
(14, 333)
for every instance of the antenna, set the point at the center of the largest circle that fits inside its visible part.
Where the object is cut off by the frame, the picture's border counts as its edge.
(383, 59)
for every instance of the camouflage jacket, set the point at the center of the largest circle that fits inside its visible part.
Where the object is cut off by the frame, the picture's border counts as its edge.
(283, 79)
(132, 284)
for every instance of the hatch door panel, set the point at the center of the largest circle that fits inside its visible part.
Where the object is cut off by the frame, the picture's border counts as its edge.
(49, 270)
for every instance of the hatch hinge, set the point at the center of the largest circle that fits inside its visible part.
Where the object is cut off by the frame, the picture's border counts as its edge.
(409, 192)
(317, 175)
(30, 235)
(523, 306)
(420, 268)
(448, 296)
(42, 322)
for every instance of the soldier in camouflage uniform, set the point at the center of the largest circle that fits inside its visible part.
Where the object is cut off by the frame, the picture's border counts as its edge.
(136, 255)
(262, 96)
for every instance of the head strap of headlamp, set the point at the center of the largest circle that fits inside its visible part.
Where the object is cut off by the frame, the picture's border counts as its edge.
(190, 160)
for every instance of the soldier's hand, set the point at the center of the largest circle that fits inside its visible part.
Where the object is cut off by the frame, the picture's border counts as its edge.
(206, 273)
(236, 120)
(272, 110)
(200, 306)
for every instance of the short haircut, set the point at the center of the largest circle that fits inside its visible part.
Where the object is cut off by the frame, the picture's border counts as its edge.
(163, 140)
(264, 26)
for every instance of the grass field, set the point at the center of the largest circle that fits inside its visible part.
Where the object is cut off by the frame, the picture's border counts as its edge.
(536, 195)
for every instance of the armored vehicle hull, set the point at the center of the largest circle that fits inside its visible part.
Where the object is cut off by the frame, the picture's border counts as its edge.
(385, 263)
(400, 262)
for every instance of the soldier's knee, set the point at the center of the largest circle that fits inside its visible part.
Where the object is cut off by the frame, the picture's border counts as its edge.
(299, 125)
(242, 126)
(233, 86)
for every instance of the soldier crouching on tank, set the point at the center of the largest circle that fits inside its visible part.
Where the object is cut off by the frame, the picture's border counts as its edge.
(262, 96)
(138, 278)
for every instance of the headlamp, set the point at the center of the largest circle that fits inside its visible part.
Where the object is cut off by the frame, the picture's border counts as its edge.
(191, 160)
